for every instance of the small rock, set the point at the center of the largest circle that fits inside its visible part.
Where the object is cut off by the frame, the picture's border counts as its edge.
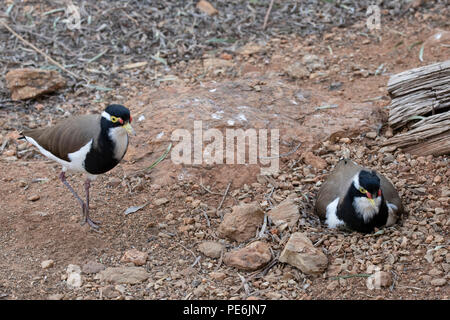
(241, 224)
(437, 179)
(213, 64)
(273, 295)
(216, 275)
(74, 276)
(135, 256)
(333, 285)
(47, 264)
(160, 201)
(389, 133)
(435, 272)
(297, 71)
(250, 48)
(127, 275)
(109, 292)
(388, 158)
(301, 253)
(438, 282)
(29, 83)
(439, 210)
(206, 7)
(113, 182)
(314, 161)
(252, 257)
(34, 197)
(74, 280)
(73, 268)
(226, 56)
(404, 242)
(211, 249)
(378, 280)
(313, 62)
(371, 135)
(285, 212)
(56, 296)
(92, 267)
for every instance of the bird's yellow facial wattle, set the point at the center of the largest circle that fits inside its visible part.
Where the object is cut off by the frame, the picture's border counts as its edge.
(127, 126)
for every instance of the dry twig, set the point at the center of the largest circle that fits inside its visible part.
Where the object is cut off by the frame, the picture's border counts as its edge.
(266, 18)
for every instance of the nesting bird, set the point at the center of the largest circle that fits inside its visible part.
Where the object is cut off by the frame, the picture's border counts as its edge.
(357, 198)
(91, 144)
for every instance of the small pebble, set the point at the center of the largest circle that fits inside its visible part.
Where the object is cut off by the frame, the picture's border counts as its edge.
(34, 197)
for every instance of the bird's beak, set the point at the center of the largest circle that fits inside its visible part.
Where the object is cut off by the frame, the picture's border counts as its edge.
(372, 202)
(127, 126)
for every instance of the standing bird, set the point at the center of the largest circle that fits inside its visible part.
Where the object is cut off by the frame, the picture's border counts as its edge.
(358, 198)
(91, 144)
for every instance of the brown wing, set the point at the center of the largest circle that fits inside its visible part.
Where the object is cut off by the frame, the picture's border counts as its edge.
(336, 185)
(68, 136)
(390, 193)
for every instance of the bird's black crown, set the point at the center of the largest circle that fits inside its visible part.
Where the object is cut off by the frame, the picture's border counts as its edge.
(117, 110)
(369, 181)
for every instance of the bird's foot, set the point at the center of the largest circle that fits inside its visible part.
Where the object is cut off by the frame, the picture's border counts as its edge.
(91, 223)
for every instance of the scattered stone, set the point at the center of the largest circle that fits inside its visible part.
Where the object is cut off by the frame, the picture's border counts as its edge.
(92, 267)
(47, 264)
(74, 276)
(314, 161)
(160, 201)
(388, 158)
(273, 295)
(301, 253)
(214, 64)
(285, 213)
(333, 285)
(29, 83)
(109, 292)
(381, 279)
(135, 256)
(206, 7)
(241, 224)
(74, 280)
(313, 62)
(438, 282)
(371, 135)
(250, 258)
(297, 71)
(211, 249)
(34, 197)
(73, 268)
(216, 275)
(126, 275)
(113, 182)
(56, 296)
(250, 48)
(389, 133)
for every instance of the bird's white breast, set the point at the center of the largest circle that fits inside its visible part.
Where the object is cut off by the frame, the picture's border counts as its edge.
(364, 207)
(120, 137)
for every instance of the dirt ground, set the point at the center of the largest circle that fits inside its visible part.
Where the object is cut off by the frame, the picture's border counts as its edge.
(39, 218)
